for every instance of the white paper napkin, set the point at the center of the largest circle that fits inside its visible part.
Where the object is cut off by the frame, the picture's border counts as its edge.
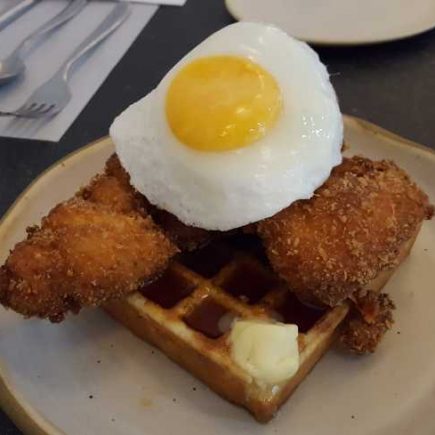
(45, 59)
(159, 2)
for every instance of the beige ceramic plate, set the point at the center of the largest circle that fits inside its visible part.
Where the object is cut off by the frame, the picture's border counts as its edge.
(90, 376)
(340, 22)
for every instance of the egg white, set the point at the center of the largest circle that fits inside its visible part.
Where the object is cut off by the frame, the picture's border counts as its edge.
(226, 190)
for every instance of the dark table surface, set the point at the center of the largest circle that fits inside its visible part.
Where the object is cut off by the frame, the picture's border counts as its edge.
(392, 85)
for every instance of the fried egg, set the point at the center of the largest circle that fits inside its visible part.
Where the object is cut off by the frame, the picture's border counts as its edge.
(241, 127)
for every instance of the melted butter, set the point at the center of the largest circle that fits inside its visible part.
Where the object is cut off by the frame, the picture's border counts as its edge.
(269, 352)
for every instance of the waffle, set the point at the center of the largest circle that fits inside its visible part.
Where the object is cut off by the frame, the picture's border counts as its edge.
(187, 313)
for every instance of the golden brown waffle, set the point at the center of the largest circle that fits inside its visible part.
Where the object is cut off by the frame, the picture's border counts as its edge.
(187, 313)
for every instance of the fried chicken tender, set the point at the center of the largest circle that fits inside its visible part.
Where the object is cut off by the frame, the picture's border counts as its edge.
(114, 168)
(82, 255)
(187, 238)
(332, 245)
(103, 244)
(109, 191)
(114, 189)
(370, 319)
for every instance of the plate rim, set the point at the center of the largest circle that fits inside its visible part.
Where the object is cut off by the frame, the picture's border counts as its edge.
(230, 6)
(18, 409)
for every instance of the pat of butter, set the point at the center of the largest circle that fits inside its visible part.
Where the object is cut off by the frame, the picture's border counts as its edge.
(267, 351)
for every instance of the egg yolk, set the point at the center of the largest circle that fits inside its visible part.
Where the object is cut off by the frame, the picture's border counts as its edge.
(222, 103)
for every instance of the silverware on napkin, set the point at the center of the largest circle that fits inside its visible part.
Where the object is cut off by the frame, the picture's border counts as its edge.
(13, 65)
(51, 97)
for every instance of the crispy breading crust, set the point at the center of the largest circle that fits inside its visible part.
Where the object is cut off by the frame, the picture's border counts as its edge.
(109, 191)
(83, 255)
(103, 244)
(114, 168)
(187, 238)
(114, 187)
(114, 190)
(330, 246)
(369, 320)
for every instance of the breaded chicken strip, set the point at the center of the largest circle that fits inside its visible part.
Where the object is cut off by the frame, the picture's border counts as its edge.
(115, 169)
(332, 245)
(370, 318)
(114, 189)
(187, 238)
(83, 255)
(109, 191)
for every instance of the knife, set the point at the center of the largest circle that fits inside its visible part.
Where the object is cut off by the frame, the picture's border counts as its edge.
(12, 13)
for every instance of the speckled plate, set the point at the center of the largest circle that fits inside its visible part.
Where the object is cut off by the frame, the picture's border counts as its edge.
(340, 22)
(90, 376)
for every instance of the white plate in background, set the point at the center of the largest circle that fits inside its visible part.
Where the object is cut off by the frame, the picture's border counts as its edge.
(340, 22)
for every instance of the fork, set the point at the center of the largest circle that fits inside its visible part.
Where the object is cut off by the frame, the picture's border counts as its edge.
(15, 11)
(13, 65)
(52, 96)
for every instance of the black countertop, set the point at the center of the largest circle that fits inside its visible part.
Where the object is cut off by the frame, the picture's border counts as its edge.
(392, 85)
